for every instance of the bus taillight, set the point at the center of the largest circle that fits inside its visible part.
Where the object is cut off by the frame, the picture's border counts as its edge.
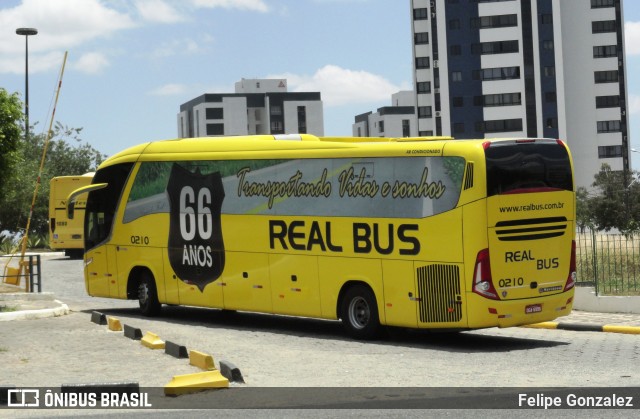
(482, 283)
(571, 279)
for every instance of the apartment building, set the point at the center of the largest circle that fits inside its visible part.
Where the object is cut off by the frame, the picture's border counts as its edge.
(525, 68)
(258, 106)
(397, 120)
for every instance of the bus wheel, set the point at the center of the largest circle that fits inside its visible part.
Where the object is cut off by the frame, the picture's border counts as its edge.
(359, 312)
(148, 295)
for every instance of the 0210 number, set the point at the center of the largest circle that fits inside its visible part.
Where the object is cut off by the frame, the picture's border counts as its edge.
(511, 282)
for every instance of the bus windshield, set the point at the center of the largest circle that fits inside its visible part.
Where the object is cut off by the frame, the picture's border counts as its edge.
(536, 166)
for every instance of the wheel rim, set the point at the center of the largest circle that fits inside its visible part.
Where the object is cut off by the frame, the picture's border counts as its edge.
(359, 313)
(143, 293)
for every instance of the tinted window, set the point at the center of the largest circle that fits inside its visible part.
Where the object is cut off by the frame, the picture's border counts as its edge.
(527, 167)
(103, 203)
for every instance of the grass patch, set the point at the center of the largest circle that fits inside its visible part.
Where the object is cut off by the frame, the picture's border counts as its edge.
(6, 309)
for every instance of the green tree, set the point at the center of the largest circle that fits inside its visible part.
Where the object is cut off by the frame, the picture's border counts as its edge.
(617, 205)
(584, 213)
(10, 133)
(67, 155)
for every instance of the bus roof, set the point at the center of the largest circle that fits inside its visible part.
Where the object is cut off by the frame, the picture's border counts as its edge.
(260, 146)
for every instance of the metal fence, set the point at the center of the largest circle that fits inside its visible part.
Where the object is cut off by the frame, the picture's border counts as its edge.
(609, 262)
(11, 273)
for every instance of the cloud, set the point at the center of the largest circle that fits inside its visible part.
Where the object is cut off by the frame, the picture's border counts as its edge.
(634, 104)
(169, 90)
(182, 47)
(91, 63)
(158, 11)
(61, 24)
(252, 5)
(632, 38)
(340, 86)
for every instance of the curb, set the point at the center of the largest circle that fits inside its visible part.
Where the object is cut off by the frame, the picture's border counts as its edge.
(15, 298)
(584, 327)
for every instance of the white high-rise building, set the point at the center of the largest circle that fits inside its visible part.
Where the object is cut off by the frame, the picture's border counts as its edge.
(258, 106)
(525, 68)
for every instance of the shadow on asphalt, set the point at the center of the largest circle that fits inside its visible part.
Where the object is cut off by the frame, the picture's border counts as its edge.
(463, 342)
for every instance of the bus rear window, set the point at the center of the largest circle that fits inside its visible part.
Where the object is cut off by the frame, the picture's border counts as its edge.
(523, 167)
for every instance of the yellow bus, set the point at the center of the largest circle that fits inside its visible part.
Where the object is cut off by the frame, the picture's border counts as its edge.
(430, 233)
(66, 234)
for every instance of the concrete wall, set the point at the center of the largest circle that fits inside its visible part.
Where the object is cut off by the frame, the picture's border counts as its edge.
(587, 300)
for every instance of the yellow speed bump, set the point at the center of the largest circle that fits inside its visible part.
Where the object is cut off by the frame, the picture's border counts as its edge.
(201, 360)
(191, 383)
(543, 325)
(151, 340)
(622, 329)
(114, 324)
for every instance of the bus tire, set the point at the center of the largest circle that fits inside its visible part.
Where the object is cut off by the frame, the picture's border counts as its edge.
(148, 295)
(359, 312)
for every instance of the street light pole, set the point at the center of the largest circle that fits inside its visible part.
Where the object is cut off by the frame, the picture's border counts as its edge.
(26, 32)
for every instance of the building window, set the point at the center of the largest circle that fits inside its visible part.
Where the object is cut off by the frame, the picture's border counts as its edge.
(381, 127)
(610, 76)
(501, 99)
(456, 76)
(551, 123)
(550, 97)
(423, 62)
(610, 151)
(549, 71)
(499, 21)
(605, 51)
(425, 133)
(276, 110)
(302, 119)
(215, 129)
(454, 24)
(497, 47)
(424, 112)
(608, 126)
(277, 127)
(458, 127)
(455, 50)
(457, 101)
(500, 125)
(215, 113)
(608, 101)
(421, 38)
(424, 87)
(421, 13)
(406, 128)
(498, 73)
(546, 19)
(548, 45)
(597, 4)
(603, 26)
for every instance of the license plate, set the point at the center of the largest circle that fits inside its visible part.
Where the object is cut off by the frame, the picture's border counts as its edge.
(533, 308)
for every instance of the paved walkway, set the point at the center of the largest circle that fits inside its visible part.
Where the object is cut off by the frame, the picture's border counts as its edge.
(15, 306)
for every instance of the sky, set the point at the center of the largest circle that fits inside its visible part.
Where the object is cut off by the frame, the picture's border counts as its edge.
(132, 63)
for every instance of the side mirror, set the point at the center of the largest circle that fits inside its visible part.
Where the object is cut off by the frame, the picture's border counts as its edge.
(73, 196)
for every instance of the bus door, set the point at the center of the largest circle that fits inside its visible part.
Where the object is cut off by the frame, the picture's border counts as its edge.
(102, 272)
